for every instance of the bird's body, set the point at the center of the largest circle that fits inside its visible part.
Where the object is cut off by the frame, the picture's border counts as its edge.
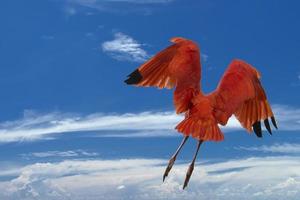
(239, 93)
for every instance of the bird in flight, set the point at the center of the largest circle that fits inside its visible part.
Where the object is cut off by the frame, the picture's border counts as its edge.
(239, 93)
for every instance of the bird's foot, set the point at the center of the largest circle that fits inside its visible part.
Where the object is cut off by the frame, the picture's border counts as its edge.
(188, 175)
(169, 167)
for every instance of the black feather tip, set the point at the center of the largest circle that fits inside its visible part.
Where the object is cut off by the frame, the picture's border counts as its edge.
(274, 122)
(267, 125)
(134, 78)
(257, 129)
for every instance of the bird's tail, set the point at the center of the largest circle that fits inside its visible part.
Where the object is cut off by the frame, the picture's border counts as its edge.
(201, 129)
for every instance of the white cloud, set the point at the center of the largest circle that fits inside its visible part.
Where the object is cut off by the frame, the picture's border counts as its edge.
(288, 117)
(70, 153)
(124, 47)
(276, 148)
(251, 178)
(34, 126)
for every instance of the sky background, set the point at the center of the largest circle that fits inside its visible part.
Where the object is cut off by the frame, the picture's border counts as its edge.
(71, 129)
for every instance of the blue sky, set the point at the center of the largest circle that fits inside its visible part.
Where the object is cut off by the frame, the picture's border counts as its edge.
(71, 129)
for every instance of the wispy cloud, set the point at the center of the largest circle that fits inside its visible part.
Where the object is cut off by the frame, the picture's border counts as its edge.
(288, 117)
(70, 153)
(204, 57)
(276, 148)
(115, 6)
(251, 178)
(95, 2)
(70, 11)
(36, 126)
(124, 47)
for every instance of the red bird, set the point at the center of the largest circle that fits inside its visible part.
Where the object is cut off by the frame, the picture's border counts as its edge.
(239, 93)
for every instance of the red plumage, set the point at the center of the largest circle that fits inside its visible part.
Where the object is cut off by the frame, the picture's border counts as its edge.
(239, 93)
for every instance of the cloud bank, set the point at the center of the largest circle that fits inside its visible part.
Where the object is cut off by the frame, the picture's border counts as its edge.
(251, 178)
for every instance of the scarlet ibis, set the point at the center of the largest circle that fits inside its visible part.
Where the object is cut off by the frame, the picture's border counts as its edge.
(239, 93)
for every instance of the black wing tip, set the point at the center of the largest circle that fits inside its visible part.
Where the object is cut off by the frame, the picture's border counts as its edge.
(274, 122)
(257, 126)
(267, 125)
(257, 129)
(134, 78)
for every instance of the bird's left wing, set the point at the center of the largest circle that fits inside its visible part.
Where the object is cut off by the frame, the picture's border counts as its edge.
(241, 93)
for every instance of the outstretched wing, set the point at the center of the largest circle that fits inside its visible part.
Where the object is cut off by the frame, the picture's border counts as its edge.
(178, 63)
(176, 66)
(241, 93)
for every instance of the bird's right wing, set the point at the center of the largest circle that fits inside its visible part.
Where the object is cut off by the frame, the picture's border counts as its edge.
(177, 63)
(241, 93)
(176, 66)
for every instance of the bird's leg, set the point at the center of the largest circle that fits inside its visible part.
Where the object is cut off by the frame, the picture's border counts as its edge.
(173, 158)
(191, 167)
